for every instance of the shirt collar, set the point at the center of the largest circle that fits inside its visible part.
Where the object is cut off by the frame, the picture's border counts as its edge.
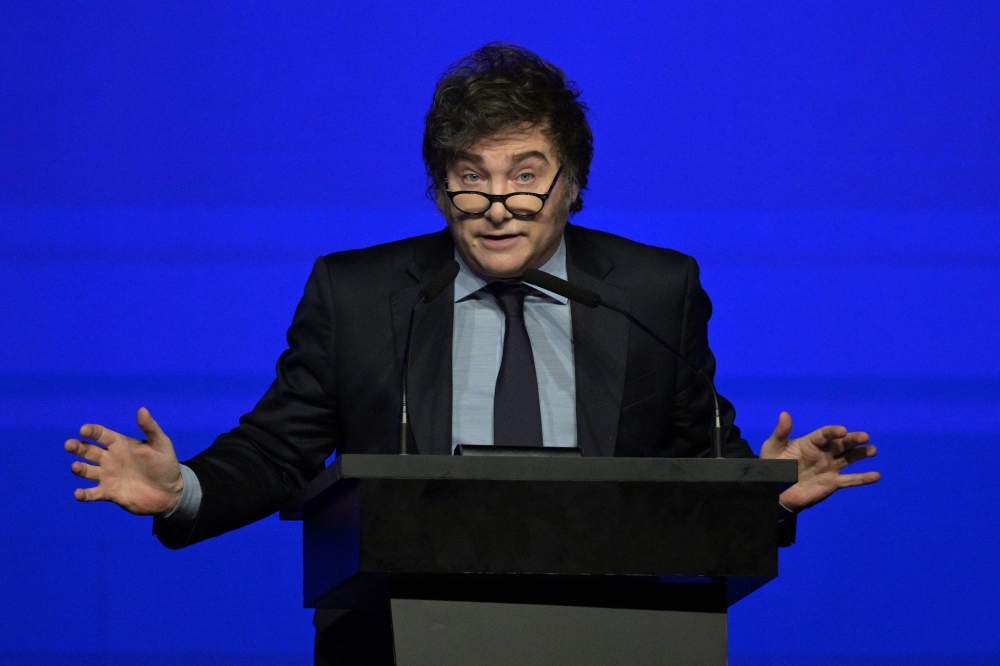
(469, 282)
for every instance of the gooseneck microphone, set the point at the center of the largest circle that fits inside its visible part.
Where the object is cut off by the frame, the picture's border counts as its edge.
(430, 291)
(586, 297)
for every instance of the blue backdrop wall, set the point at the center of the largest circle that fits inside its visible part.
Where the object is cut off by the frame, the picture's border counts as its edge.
(169, 171)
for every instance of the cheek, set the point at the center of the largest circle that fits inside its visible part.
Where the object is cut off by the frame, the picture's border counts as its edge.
(458, 228)
(548, 230)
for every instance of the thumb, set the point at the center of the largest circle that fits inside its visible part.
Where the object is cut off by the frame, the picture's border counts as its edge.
(149, 427)
(778, 440)
(784, 428)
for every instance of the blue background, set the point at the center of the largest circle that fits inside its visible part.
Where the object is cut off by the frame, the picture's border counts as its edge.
(169, 171)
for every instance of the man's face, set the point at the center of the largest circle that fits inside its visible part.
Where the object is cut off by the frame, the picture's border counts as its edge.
(496, 243)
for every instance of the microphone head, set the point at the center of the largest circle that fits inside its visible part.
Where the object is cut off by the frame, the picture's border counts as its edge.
(550, 282)
(440, 282)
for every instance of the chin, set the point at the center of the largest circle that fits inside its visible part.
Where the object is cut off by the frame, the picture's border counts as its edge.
(503, 269)
(502, 273)
(501, 266)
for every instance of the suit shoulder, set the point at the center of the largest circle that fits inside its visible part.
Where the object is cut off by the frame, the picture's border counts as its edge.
(383, 268)
(380, 269)
(384, 256)
(633, 256)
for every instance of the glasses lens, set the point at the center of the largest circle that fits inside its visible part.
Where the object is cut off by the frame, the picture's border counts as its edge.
(524, 204)
(469, 202)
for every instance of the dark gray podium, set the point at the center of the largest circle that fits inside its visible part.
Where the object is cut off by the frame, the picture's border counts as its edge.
(516, 560)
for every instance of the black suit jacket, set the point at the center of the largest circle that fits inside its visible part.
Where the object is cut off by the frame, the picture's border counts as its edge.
(338, 383)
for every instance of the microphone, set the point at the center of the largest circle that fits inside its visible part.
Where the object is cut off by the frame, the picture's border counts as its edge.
(586, 297)
(429, 292)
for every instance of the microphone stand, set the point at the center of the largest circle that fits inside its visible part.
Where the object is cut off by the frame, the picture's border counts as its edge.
(592, 300)
(404, 417)
(433, 289)
(718, 432)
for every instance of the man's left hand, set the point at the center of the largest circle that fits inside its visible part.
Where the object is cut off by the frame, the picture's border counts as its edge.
(822, 454)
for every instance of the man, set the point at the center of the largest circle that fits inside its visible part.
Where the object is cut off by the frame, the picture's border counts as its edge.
(507, 149)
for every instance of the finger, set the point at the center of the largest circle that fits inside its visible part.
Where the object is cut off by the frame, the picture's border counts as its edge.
(98, 433)
(852, 439)
(851, 480)
(149, 426)
(85, 471)
(851, 456)
(85, 450)
(827, 435)
(88, 494)
(849, 441)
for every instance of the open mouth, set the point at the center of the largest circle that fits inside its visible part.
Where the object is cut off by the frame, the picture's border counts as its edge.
(499, 240)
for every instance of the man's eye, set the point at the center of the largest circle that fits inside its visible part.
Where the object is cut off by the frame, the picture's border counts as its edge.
(525, 177)
(472, 177)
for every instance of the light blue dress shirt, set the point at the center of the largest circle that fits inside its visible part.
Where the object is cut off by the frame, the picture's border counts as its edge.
(477, 350)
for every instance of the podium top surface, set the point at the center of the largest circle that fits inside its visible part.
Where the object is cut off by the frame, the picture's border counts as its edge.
(530, 468)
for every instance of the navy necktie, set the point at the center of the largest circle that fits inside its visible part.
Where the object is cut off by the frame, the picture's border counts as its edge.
(517, 416)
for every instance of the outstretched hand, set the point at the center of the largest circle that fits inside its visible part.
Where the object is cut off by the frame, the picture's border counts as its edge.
(141, 476)
(821, 454)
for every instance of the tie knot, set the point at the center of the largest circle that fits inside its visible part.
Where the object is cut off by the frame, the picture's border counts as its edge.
(510, 296)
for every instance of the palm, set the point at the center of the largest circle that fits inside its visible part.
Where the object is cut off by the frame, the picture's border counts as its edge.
(821, 456)
(142, 477)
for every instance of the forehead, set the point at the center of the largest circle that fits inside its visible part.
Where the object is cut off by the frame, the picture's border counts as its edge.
(509, 145)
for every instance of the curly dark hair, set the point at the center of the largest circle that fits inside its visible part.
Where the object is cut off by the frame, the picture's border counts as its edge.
(497, 88)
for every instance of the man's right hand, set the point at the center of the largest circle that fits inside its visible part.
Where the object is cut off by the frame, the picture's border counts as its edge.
(141, 476)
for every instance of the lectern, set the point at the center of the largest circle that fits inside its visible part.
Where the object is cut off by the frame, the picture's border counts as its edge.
(443, 560)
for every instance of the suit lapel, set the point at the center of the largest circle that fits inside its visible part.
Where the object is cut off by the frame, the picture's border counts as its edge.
(600, 347)
(430, 381)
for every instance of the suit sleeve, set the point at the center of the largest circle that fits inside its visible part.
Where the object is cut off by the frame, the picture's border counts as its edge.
(251, 471)
(693, 405)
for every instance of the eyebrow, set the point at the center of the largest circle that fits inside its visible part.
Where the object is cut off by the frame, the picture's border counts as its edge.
(468, 157)
(518, 158)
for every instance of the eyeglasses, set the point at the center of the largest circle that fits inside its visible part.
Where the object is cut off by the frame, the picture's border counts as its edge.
(521, 204)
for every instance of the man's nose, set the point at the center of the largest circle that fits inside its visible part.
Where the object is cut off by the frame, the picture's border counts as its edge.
(497, 213)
